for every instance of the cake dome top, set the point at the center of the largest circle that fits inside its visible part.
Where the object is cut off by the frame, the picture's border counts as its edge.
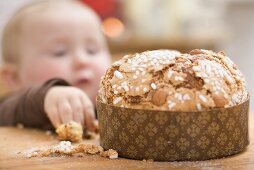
(170, 80)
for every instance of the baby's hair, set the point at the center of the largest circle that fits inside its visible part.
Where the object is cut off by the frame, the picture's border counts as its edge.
(12, 30)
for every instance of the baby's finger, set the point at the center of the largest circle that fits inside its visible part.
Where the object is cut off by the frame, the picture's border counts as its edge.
(54, 116)
(89, 113)
(77, 109)
(90, 122)
(65, 111)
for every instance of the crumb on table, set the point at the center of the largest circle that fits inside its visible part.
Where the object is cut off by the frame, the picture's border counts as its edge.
(66, 148)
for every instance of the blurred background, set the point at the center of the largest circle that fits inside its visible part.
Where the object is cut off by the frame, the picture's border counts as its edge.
(138, 25)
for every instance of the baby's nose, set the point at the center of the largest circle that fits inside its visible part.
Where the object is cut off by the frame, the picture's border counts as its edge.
(80, 59)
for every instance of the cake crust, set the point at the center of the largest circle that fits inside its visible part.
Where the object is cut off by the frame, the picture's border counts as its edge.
(170, 80)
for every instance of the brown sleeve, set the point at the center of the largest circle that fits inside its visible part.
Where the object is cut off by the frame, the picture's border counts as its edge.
(27, 106)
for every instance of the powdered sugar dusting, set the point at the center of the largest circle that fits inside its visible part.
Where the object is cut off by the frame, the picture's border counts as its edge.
(153, 85)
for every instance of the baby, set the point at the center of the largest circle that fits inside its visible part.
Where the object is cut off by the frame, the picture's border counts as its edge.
(54, 54)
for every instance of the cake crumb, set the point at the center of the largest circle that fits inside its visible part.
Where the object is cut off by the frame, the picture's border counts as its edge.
(20, 126)
(48, 133)
(111, 154)
(66, 148)
(148, 160)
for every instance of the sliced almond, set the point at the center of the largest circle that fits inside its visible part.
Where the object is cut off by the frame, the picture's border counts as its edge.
(222, 53)
(159, 97)
(197, 51)
(219, 100)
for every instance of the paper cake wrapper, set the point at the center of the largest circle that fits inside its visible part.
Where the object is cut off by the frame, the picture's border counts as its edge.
(173, 136)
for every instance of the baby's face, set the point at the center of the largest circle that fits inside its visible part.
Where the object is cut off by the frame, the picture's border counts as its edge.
(66, 44)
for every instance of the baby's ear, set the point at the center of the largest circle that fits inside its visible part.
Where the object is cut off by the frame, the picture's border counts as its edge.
(9, 76)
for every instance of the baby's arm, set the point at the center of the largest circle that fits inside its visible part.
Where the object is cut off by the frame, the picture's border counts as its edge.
(27, 106)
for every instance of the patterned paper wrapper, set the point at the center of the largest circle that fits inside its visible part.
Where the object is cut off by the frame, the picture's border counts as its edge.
(174, 136)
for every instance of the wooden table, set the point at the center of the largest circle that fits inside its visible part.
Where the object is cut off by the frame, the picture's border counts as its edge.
(14, 142)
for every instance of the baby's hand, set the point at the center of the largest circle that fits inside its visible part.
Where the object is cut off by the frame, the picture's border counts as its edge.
(63, 104)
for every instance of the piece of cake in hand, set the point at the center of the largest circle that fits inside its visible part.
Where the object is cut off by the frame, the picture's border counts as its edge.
(71, 131)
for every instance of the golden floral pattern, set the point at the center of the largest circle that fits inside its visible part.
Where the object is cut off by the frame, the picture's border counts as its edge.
(223, 115)
(141, 141)
(230, 124)
(182, 144)
(236, 134)
(151, 153)
(204, 118)
(131, 127)
(124, 138)
(139, 117)
(182, 118)
(131, 150)
(213, 152)
(172, 131)
(115, 123)
(203, 142)
(161, 118)
(172, 155)
(151, 129)
(171, 136)
(222, 139)
(230, 147)
(213, 128)
(161, 143)
(193, 154)
(193, 130)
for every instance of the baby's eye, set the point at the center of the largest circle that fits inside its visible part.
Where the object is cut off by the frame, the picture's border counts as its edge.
(59, 53)
(92, 50)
